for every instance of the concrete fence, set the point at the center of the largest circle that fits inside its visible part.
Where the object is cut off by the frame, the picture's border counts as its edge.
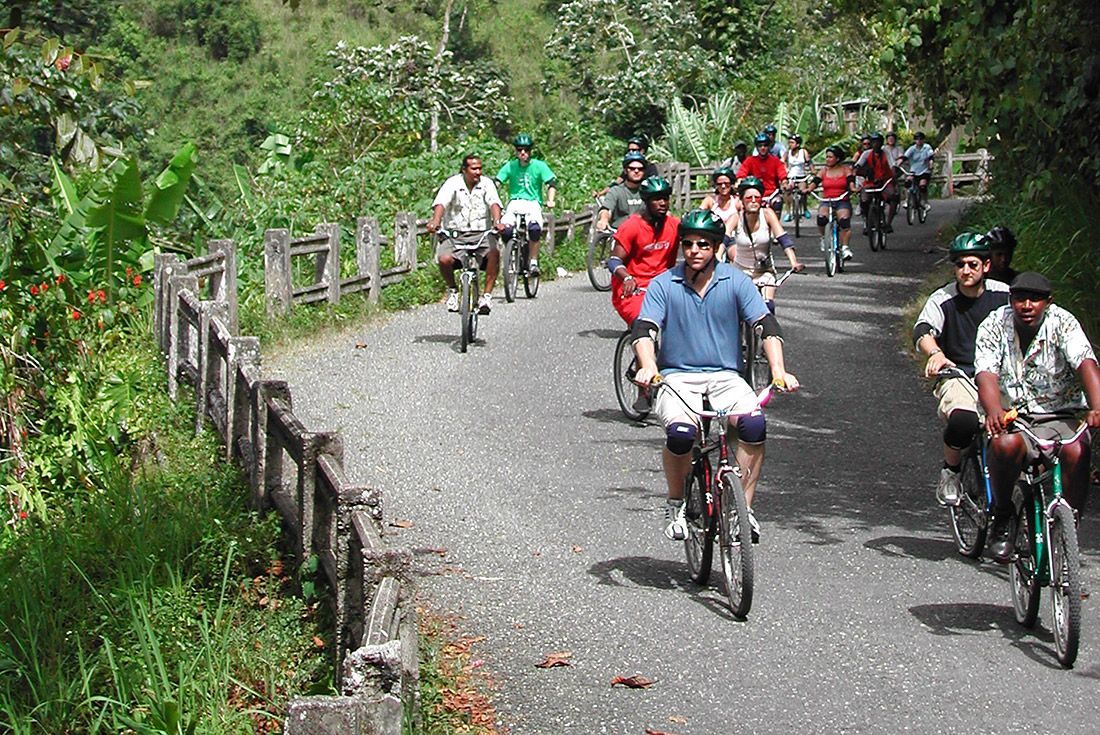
(298, 472)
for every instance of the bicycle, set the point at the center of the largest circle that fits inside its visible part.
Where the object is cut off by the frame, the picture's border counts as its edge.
(465, 248)
(516, 262)
(970, 516)
(600, 243)
(755, 369)
(798, 203)
(876, 217)
(624, 368)
(715, 505)
(916, 199)
(830, 243)
(1047, 553)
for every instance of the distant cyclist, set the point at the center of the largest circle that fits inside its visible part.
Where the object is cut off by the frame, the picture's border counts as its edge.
(919, 156)
(768, 168)
(774, 147)
(800, 167)
(1002, 243)
(467, 204)
(740, 152)
(1033, 355)
(877, 171)
(837, 181)
(751, 240)
(623, 200)
(525, 177)
(638, 144)
(892, 149)
(722, 201)
(945, 331)
(698, 307)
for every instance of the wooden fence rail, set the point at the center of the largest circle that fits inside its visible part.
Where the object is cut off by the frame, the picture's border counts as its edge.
(299, 473)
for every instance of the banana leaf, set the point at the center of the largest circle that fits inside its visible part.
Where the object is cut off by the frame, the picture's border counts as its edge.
(171, 186)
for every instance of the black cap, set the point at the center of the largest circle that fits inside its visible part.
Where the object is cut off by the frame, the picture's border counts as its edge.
(1030, 282)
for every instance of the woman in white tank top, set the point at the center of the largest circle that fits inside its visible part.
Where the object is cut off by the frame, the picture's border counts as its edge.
(751, 236)
(722, 202)
(799, 168)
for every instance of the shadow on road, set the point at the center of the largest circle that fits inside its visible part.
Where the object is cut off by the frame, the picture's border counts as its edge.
(659, 574)
(601, 333)
(445, 339)
(963, 618)
(913, 547)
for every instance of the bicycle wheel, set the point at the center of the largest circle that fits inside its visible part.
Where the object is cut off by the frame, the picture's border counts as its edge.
(1022, 574)
(475, 293)
(701, 523)
(969, 521)
(1065, 585)
(882, 226)
(599, 247)
(625, 366)
(873, 225)
(510, 266)
(530, 280)
(912, 202)
(759, 371)
(832, 254)
(465, 311)
(736, 545)
(797, 206)
(922, 210)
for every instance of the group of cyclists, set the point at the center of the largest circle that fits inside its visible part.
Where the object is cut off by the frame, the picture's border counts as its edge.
(1000, 328)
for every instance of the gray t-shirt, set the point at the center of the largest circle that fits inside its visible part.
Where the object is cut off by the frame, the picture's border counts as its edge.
(622, 201)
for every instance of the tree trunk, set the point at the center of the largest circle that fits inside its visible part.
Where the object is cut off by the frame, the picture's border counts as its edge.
(433, 126)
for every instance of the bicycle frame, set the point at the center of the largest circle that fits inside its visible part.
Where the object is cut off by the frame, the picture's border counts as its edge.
(832, 226)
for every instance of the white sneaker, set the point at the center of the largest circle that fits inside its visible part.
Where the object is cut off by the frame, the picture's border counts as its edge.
(675, 522)
(824, 245)
(845, 252)
(452, 300)
(947, 491)
(485, 304)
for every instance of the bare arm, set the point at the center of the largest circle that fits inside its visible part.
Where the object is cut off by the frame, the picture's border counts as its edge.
(1090, 379)
(437, 217)
(937, 360)
(989, 395)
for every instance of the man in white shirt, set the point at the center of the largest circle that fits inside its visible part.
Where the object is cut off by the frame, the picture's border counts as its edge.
(467, 204)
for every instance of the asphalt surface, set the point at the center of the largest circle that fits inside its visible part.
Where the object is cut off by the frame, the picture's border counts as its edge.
(515, 459)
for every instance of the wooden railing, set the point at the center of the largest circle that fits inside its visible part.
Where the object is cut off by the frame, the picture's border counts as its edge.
(300, 473)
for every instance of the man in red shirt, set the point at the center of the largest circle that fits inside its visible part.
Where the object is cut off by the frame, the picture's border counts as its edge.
(645, 246)
(768, 168)
(876, 169)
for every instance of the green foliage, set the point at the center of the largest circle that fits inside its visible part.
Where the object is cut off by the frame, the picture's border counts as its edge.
(228, 29)
(703, 134)
(1023, 77)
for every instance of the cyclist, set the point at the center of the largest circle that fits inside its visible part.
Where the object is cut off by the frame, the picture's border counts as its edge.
(468, 203)
(766, 167)
(864, 146)
(775, 148)
(837, 181)
(623, 199)
(892, 149)
(877, 170)
(645, 245)
(698, 307)
(799, 165)
(637, 144)
(919, 155)
(751, 238)
(1033, 355)
(740, 151)
(525, 177)
(1001, 244)
(945, 332)
(722, 202)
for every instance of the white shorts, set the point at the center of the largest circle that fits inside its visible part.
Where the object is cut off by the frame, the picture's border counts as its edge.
(956, 394)
(533, 210)
(726, 389)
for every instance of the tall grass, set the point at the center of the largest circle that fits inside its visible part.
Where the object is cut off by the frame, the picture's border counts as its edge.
(1056, 239)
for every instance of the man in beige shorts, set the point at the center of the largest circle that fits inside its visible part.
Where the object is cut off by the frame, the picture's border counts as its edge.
(946, 331)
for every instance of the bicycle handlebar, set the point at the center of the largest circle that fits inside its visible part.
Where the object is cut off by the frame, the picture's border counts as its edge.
(1013, 417)
(829, 200)
(465, 240)
(881, 188)
(762, 399)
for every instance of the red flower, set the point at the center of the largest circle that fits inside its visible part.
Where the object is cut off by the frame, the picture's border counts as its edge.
(129, 271)
(43, 286)
(76, 314)
(60, 278)
(137, 280)
(91, 297)
(34, 290)
(63, 63)
(22, 515)
(102, 295)
(2, 284)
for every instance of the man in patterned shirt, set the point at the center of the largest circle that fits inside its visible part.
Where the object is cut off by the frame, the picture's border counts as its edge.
(1033, 356)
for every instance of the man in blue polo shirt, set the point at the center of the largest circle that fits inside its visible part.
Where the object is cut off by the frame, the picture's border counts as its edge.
(698, 307)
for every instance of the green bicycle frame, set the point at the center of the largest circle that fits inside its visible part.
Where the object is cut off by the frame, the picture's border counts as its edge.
(1042, 559)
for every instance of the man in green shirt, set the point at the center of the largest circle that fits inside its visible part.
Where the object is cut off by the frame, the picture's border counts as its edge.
(525, 176)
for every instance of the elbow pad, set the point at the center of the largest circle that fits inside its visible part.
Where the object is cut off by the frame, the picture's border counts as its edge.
(922, 330)
(851, 180)
(785, 241)
(642, 329)
(770, 327)
(613, 263)
(727, 240)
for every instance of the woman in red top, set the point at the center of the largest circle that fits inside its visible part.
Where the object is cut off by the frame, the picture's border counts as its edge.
(837, 181)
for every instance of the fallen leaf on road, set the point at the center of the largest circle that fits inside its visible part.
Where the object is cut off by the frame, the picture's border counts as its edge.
(517, 626)
(401, 523)
(360, 345)
(633, 682)
(677, 719)
(651, 731)
(577, 549)
(536, 553)
(558, 658)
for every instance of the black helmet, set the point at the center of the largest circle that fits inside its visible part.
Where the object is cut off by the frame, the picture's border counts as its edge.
(638, 141)
(703, 222)
(876, 136)
(769, 128)
(919, 134)
(837, 151)
(797, 138)
(969, 243)
(633, 157)
(655, 187)
(1001, 238)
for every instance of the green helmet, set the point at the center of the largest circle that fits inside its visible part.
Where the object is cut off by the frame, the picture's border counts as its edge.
(750, 182)
(702, 222)
(523, 140)
(723, 171)
(655, 187)
(969, 243)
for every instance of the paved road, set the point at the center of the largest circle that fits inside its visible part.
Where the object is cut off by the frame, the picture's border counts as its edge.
(515, 458)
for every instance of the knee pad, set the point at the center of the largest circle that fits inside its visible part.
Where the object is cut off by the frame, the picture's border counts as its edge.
(509, 230)
(770, 303)
(680, 437)
(752, 428)
(844, 224)
(960, 429)
(534, 232)
(822, 221)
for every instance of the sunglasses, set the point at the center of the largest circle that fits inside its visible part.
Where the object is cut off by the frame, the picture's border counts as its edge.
(701, 244)
(962, 265)
(522, 148)
(635, 168)
(751, 197)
